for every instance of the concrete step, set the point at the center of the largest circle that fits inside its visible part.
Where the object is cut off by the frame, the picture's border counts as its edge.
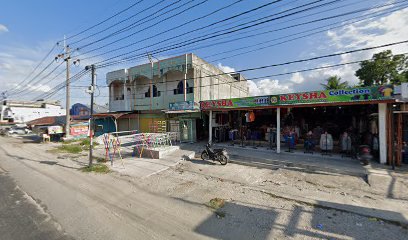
(269, 163)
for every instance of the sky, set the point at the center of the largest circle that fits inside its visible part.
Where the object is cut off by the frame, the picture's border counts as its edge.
(239, 37)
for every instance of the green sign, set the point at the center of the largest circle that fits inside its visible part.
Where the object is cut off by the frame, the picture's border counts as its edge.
(326, 96)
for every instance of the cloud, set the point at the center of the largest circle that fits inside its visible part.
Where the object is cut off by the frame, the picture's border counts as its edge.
(387, 29)
(225, 69)
(3, 28)
(268, 87)
(297, 78)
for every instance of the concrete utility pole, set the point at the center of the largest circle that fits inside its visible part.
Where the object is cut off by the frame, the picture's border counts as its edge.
(67, 58)
(91, 119)
(185, 81)
(68, 97)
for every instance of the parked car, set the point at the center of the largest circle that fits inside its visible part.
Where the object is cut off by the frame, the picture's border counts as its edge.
(18, 131)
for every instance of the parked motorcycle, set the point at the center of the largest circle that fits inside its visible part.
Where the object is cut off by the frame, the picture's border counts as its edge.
(364, 154)
(220, 155)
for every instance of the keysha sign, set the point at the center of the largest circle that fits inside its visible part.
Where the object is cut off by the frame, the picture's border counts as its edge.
(326, 96)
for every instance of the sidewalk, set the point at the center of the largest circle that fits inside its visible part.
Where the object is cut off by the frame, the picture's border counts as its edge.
(297, 160)
(142, 167)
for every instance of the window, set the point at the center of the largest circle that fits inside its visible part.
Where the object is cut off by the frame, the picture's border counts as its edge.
(155, 92)
(180, 88)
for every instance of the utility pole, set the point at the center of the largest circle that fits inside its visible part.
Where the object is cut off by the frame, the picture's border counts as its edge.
(185, 81)
(67, 58)
(91, 119)
(68, 99)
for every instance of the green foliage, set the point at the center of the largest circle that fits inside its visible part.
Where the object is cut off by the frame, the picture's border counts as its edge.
(383, 68)
(69, 149)
(334, 82)
(216, 203)
(98, 168)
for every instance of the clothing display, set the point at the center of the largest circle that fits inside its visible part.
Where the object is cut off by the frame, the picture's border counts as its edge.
(309, 143)
(249, 117)
(326, 142)
(233, 134)
(373, 127)
(345, 142)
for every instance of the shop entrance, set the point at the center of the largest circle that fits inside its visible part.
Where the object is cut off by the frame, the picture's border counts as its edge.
(319, 129)
(186, 130)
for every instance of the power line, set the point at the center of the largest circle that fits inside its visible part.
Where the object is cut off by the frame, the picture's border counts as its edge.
(107, 19)
(186, 43)
(226, 19)
(122, 21)
(320, 29)
(37, 66)
(294, 61)
(152, 25)
(198, 39)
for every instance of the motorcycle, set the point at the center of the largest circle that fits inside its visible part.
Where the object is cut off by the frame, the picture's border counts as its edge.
(220, 155)
(364, 154)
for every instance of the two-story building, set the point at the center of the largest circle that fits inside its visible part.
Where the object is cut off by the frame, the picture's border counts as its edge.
(167, 92)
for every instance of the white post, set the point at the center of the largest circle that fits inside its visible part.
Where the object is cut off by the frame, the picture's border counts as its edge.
(382, 130)
(210, 128)
(278, 141)
(111, 97)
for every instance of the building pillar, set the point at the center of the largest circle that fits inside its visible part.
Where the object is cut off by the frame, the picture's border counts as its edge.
(278, 129)
(382, 130)
(125, 97)
(210, 128)
(111, 97)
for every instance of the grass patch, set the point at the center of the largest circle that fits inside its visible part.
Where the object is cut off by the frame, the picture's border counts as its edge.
(216, 203)
(71, 141)
(98, 168)
(100, 160)
(75, 149)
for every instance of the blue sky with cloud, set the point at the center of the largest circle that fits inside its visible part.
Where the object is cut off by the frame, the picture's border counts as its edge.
(29, 29)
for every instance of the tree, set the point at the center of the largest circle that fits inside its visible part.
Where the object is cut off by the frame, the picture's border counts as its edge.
(334, 82)
(383, 68)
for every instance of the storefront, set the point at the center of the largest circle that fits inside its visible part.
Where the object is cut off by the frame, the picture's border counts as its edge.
(185, 119)
(330, 121)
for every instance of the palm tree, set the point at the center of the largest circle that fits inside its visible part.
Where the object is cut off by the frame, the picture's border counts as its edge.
(333, 82)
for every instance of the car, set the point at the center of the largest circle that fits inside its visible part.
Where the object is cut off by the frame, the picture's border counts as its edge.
(18, 131)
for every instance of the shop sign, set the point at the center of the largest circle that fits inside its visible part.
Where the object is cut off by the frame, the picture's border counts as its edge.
(55, 129)
(236, 102)
(79, 130)
(185, 105)
(326, 96)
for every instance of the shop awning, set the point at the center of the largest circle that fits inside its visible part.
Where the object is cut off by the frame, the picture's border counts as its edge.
(115, 115)
(181, 111)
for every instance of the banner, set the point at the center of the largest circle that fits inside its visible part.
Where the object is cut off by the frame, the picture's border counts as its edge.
(185, 105)
(326, 96)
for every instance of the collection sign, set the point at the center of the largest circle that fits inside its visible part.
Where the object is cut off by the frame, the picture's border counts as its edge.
(326, 96)
(185, 105)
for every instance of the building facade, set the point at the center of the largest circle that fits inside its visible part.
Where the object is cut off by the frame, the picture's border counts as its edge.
(169, 91)
(14, 111)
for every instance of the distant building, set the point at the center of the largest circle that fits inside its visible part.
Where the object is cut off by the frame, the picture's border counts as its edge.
(14, 111)
(81, 111)
(159, 94)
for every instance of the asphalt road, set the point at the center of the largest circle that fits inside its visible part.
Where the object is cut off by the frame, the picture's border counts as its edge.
(21, 217)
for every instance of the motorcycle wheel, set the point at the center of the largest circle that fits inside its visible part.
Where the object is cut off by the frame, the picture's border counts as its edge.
(223, 160)
(204, 155)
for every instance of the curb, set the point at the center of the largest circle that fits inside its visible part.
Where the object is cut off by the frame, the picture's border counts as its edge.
(273, 164)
